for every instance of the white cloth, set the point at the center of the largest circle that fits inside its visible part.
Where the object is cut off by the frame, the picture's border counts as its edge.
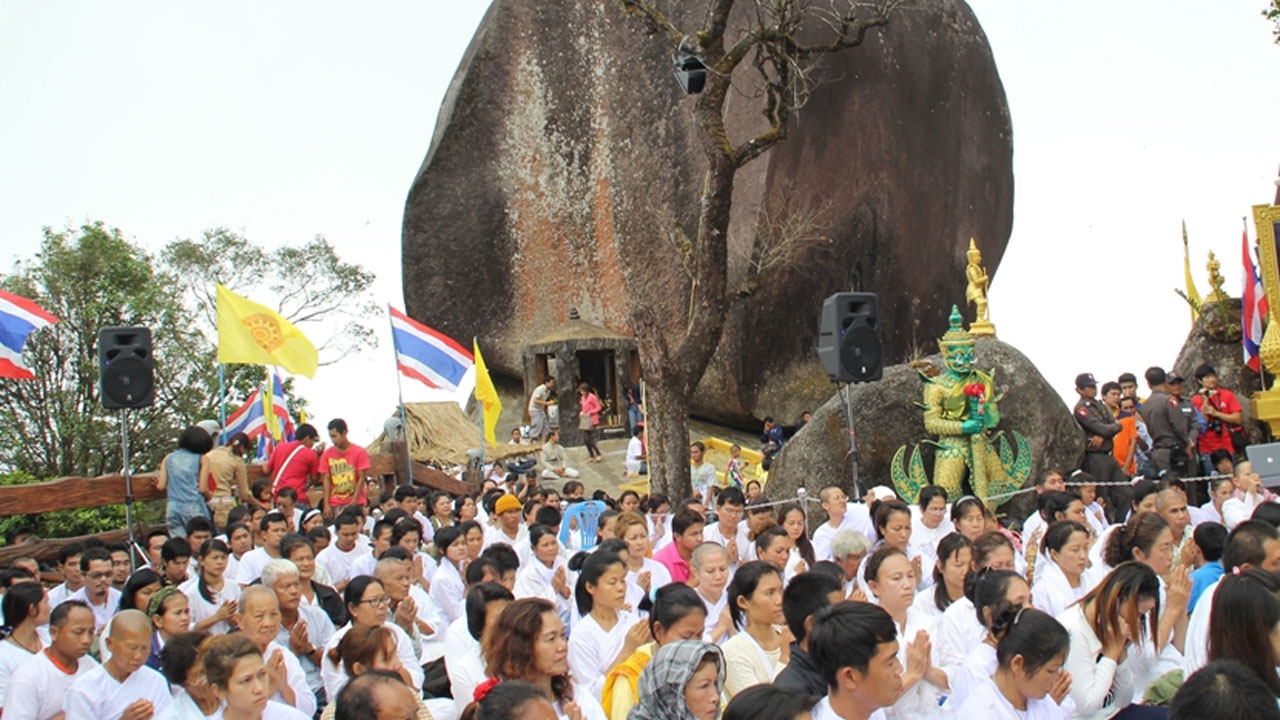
(922, 699)
(339, 562)
(1096, 563)
(587, 703)
(924, 539)
(464, 663)
(275, 710)
(184, 708)
(1053, 592)
(493, 535)
(335, 675)
(954, 635)
(449, 592)
(658, 576)
(59, 594)
(101, 613)
(295, 677)
(12, 657)
(36, 690)
(714, 610)
(856, 517)
(978, 666)
(251, 565)
(319, 630)
(635, 449)
(926, 603)
(432, 643)
(1238, 509)
(1099, 687)
(987, 702)
(713, 533)
(1196, 649)
(96, 695)
(592, 649)
(534, 580)
(746, 663)
(823, 711)
(202, 609)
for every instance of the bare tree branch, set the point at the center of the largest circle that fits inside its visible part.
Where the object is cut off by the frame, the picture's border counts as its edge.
(654, 20)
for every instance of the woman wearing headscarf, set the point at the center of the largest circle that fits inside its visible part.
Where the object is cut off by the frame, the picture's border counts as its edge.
(682, 682)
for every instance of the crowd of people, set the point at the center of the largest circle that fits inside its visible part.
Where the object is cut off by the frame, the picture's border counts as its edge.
(529, 601)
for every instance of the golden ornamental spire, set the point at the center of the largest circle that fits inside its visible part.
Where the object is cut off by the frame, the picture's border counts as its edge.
(1216, 293)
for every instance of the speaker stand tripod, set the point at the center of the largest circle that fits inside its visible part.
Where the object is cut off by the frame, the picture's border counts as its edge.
(853, 443)
(128, 487)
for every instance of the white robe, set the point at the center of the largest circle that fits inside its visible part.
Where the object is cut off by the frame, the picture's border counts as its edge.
(295, 677)
(96, 695)
(658, 576)
(335, 675)
(1053, 593)
(535, 581)
(36, 690)
(448, 591)
(465, 663)
(202, 609)
(987, 702)
(592, 649)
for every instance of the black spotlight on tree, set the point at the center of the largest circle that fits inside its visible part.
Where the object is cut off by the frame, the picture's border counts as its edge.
(691, 72)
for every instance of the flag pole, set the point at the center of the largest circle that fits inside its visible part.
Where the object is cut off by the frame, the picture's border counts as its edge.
(404, 423)
(1262, 369)
(222, 401)
(475, 344)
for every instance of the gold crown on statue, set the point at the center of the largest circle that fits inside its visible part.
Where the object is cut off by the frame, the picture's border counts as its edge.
(956, 337)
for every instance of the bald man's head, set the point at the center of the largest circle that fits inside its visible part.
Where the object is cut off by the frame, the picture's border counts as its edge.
(376, 695)
(129, 641)
(394, 576)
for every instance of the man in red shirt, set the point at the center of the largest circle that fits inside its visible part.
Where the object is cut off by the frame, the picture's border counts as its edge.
(343, 469)
(293, 463)
(686, 534)
(1222, 413)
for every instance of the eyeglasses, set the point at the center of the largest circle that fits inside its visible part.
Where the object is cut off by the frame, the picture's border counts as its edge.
(98, 575)
(383, 601)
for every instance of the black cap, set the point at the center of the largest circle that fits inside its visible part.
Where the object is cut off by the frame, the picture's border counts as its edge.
(1204, 371)
(1084, 380)
(1173, 379)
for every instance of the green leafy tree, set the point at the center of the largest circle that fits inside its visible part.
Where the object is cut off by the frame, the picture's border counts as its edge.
(1272, 13)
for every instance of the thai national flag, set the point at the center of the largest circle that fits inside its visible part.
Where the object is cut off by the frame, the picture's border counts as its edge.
(427, 355)
(19, 317)
(1254, 308)
(248, 419)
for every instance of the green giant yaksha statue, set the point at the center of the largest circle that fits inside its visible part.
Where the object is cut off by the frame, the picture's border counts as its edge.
(960, 408)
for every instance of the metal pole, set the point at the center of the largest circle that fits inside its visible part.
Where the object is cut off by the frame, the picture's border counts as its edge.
(222, 400)
(853, 444)
(404, 423)
(128, 485)
(475, 345)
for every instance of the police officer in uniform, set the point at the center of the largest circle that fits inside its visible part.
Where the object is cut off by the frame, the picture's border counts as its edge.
(1165, 422)
(1100, 427)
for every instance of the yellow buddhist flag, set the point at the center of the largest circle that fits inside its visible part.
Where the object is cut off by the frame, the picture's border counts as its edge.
(1192, 294)
(256, 335)
(487, 396)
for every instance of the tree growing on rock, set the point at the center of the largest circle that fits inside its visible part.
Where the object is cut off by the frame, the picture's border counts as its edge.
(767, 52)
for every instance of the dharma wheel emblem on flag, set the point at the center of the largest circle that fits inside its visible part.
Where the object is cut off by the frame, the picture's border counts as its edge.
(266, 331)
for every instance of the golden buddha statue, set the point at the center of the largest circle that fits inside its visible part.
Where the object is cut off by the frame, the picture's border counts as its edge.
(975, 292)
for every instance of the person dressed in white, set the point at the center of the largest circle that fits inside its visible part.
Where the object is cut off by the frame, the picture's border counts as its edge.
(954, 558)
(893, 586)
(709, 563)
(554, 458)
(343, 553)
(994, 591)
(634, 464)
(411, 607)
(930, 522)
(1221, 490)
(728, 530)
(211, 596)
(1029, 684)
(607, 634)
(122, 684)
(463, 641)
(26, 609)
(368, 605)
(644, 574)
(959, 629)
(258, 617)
(841, 515)
(1065, 577)
(447, 587)
(1248, 496)
(97, 593)
(303, 629)
(757, 653)
(545, 575)
(528, 644)
(36, 690)
(272, 527)
(509, 528)
(1102, 639)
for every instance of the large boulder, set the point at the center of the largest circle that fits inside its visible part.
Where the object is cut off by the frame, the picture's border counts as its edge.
(887, 416)
(1215, 340)
(564, 133)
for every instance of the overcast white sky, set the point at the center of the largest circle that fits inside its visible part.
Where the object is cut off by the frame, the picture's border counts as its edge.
(282, 120)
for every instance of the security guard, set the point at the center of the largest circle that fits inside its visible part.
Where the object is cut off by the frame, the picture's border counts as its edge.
(1100, 426)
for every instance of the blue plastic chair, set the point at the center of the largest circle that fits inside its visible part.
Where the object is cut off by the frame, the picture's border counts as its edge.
(587, 513)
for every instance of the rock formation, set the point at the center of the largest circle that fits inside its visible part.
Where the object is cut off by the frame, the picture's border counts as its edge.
(564, 132)
(1215, 340)
(886, 416)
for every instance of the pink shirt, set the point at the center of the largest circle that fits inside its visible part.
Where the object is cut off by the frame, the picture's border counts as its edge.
(669, 557)
(346, 471)
(297, 470)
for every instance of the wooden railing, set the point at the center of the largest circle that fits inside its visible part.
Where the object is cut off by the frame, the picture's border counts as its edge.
(71, 493)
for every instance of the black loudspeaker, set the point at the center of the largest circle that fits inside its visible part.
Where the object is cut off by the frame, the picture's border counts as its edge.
(126, 368)
(849, 338)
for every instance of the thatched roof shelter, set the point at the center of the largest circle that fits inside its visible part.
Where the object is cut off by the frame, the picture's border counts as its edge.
(440, 433)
